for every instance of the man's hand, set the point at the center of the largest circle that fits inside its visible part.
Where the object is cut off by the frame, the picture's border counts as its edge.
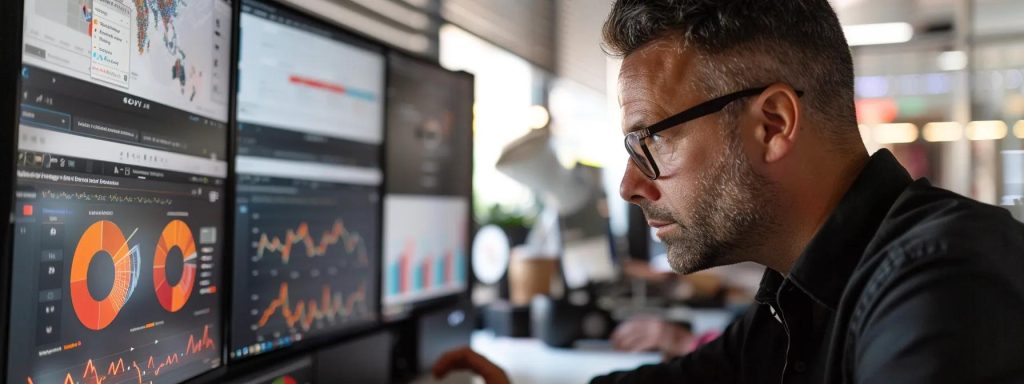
(649, 333)
(465, 358)
(638, 334)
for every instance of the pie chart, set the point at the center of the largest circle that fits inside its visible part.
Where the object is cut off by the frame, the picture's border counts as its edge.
(175, 235)
(102, 238)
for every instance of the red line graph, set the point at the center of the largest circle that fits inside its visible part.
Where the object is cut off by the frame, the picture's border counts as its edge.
(314, 248)
(168, 361)
(306, 312)
(90, 375)
(116, 368)
(197, 346)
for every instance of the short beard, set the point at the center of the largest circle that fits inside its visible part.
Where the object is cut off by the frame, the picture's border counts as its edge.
(731, 218)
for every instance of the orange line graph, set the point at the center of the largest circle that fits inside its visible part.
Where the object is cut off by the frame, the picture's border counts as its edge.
(197, 346)
(301, 236)
(168, 361)
(116, 368)
(89, 368)
(357, 297)
(306, 312)
(138, 371)
(90, 375)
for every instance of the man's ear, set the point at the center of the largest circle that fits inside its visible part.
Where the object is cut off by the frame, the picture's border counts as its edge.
(777, 116)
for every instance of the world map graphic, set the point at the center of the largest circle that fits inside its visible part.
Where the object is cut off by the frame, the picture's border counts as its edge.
(160, 16)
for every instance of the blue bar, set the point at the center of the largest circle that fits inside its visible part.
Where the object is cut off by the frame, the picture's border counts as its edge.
(394, 277)
(460, 267)
(417, 278)
(439, 269)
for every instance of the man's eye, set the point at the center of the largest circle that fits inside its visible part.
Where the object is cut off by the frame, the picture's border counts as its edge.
(657, 139)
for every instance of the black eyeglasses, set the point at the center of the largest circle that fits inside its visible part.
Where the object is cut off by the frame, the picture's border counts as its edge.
(636, 141)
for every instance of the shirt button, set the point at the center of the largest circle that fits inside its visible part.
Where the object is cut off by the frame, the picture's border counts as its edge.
(800, 367)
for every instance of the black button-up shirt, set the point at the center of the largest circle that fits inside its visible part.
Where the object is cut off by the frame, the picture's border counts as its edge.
(904, 283)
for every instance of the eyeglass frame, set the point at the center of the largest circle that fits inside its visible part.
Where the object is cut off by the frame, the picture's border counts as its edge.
(700, 110)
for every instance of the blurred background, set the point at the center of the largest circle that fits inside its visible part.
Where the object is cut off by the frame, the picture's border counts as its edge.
(568, 281)
(939, 82)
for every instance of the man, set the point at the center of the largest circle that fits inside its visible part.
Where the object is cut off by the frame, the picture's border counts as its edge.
(872, 277)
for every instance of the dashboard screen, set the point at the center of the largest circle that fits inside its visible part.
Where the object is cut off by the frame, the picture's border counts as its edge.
(121, 167)
(429, 172)
(310, 131)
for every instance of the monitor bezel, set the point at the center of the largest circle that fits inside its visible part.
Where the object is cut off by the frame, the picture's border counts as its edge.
(10, 42)
(452, 299)
(239, 365)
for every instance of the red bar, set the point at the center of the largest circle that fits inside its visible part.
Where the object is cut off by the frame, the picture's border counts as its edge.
(314, 83)
(449, 267)
(404, 269)
(428, 273)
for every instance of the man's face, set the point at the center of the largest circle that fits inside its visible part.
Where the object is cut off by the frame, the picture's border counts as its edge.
(708, 206)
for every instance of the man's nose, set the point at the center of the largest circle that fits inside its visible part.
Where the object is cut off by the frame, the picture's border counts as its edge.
(636, 186)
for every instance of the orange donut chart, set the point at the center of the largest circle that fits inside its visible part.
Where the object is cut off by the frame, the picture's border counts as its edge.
(101, 236)
(173, 297)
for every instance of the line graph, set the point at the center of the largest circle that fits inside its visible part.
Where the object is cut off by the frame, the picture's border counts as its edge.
(308, 266)
(352, 243)
(201, 344)
(119, 370)
(91, 375)
(115, 198)
(331, 305)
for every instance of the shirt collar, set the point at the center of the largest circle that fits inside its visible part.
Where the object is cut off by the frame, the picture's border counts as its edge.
(828, 261)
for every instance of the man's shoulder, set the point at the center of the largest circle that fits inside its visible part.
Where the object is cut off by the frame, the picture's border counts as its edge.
(940, 279)
(937, 221)
(931, 235)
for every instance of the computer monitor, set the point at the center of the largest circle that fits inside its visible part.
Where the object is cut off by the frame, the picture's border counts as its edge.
(310, 134)
(122, 140)
(427, 208)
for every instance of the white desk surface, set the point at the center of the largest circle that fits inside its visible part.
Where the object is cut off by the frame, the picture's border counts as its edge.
(530, 361)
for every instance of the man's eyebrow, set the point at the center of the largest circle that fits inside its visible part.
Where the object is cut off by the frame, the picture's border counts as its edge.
(645, 116)
(636, 127)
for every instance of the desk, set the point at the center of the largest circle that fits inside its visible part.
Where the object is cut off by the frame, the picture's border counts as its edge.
(530, 361)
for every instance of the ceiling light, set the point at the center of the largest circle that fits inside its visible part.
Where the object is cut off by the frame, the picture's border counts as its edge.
(894, 133)
(952, 61)
(1018, 129)
(943, 132)
(986, 130)
(875, 34)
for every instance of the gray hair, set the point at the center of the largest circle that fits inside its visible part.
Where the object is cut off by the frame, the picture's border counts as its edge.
(750, 43)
